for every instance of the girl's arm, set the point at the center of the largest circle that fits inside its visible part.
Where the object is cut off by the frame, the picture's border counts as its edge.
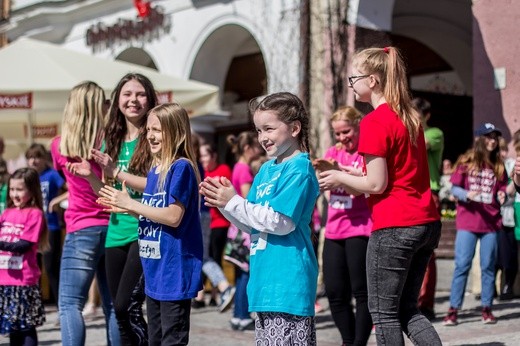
(374, 182)
(58, 199)
(260, 217)
(84, 169)
(20, 246)
(245, 215)
(120, 202)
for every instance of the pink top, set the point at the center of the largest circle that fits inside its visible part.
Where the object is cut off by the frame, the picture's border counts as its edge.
(348, 215)
(83, 211)
(481, 215)
(25, 224)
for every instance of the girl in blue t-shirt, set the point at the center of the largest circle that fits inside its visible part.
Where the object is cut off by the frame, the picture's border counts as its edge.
(52, 186)
(277, 212)
(169, 225)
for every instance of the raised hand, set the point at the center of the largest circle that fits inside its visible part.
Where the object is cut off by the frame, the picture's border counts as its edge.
(330, 180)
(325, 164)
(105, 161)
(81, 168)
(217, 191)
(117, 201)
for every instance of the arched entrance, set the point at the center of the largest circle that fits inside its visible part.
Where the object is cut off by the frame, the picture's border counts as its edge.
(436, 41)
(137, 56)
(230, 58)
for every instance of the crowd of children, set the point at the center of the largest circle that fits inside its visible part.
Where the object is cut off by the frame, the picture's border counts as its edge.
(151, 213)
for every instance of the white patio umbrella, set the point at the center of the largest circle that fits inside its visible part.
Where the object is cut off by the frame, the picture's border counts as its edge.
(36, 78)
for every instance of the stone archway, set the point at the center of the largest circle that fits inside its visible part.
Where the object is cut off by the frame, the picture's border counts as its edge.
(137, 56)
(231, 58)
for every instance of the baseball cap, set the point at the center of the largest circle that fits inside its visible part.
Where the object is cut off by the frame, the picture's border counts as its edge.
(486, 129)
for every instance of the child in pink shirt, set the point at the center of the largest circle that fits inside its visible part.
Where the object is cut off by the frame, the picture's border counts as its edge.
(22, 231)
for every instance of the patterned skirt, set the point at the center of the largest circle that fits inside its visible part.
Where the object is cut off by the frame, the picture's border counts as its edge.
(21, 308)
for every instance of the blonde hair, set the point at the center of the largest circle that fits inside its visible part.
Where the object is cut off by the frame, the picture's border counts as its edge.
(83, 120)
(348, 114)
(176, 139)
(387, 63)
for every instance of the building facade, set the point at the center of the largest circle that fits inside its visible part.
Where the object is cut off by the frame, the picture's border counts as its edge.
(459, 57)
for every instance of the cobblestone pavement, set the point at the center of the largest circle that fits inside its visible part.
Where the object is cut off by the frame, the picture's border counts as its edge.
(209, 327)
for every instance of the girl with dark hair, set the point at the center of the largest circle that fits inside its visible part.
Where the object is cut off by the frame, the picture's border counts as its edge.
(127, 158)
(479, 184)
(277, 213)
(22, 232)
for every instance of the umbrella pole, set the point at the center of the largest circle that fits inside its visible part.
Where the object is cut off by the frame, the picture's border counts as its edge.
(30, 128)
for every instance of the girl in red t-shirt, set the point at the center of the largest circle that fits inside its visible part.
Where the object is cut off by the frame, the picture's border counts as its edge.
(395, 176)
(219, 224)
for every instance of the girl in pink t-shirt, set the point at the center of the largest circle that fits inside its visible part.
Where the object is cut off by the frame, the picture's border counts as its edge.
(22, 231)
(346, 234)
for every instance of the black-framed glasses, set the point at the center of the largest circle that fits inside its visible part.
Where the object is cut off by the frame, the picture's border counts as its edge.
(354, 79)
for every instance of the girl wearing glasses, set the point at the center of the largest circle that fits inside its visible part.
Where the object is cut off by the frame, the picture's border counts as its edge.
(395, 175)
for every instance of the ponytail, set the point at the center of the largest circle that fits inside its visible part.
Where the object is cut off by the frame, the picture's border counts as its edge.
(388, 64)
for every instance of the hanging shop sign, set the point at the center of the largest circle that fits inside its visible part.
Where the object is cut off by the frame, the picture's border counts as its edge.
(149, 25)
(41, 131)
(16, 101)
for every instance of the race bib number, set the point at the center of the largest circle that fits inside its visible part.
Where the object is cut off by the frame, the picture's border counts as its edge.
(340, 202)
(11, 262)
(486, 198)
(150, 249)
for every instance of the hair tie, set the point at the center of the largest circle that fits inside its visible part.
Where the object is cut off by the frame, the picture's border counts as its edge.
(386, 50)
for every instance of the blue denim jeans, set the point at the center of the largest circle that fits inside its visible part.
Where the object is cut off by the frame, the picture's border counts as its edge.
(396, 262)
(465, 243)
(83, 257)
(241, 309)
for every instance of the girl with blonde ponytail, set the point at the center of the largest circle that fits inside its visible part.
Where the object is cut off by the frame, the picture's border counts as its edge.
(395, 176)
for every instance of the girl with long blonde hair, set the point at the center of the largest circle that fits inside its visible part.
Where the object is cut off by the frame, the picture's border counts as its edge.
(169, 228)
(395, 175)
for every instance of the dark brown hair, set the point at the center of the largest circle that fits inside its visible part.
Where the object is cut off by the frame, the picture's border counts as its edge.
(289, 108)
(115, 131)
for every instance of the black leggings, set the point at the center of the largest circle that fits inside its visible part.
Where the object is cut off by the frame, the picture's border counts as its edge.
(508, 254)
(124, 272)
(26, 337)
(217, 243)
(345, 275)
(52, 260)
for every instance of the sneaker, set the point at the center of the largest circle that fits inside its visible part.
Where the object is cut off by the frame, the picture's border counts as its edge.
(451, 318)
(487, 316)
(235, 323)
(198, 304)
(226, 298)
(246, 324)
(89, 310)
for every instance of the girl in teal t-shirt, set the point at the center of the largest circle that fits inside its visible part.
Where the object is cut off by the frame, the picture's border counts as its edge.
(277, 213)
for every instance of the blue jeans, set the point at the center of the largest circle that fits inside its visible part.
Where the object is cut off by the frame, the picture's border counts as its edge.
(83, 256)
(396, 262)
(241, 309)
(465, 244)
